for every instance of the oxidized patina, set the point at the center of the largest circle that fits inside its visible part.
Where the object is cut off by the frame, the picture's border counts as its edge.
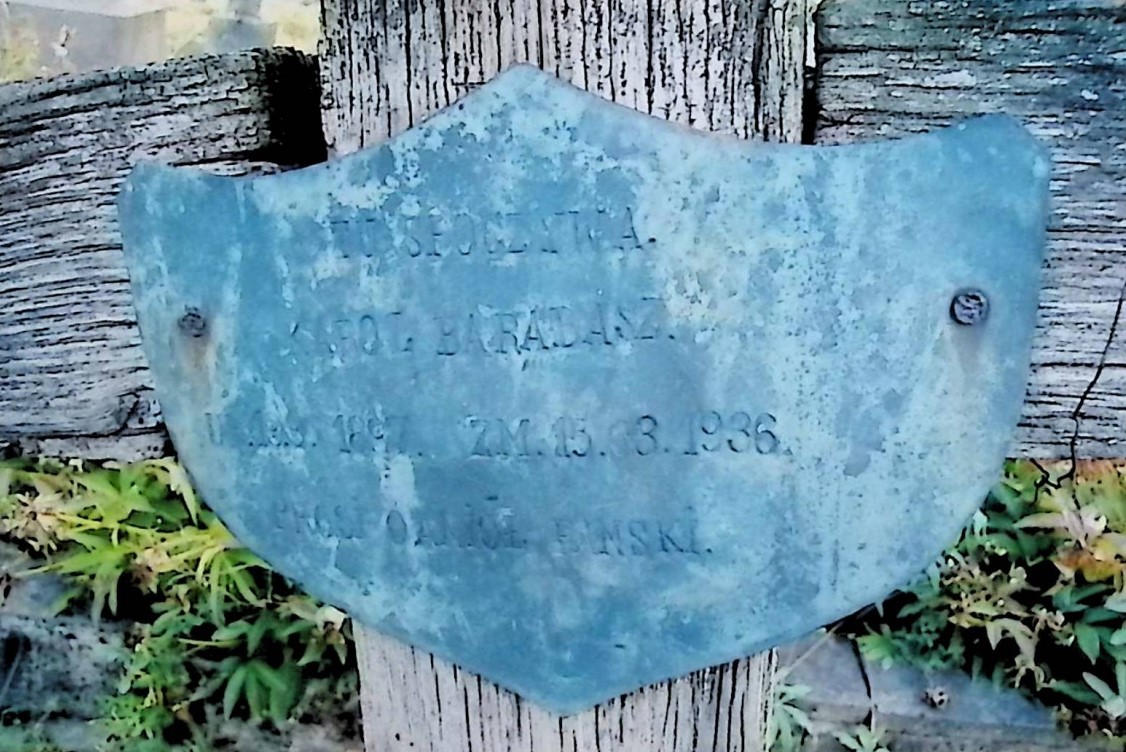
(581, 400)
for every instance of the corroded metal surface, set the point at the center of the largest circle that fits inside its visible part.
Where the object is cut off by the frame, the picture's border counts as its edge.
(581, 400)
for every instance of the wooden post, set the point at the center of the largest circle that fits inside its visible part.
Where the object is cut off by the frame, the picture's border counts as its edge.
(717, 65)
(721, 66)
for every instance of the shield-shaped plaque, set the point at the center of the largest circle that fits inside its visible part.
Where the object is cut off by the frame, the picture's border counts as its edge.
(581, 400)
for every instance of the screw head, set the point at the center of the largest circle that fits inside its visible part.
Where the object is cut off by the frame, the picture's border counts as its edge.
(936, 697)
(969, 307)
(193, 323)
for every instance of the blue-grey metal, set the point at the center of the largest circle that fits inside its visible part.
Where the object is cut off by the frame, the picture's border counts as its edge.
(581, 400)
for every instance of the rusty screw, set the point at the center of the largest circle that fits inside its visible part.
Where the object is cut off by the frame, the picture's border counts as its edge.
(969, 307)
(193, 323)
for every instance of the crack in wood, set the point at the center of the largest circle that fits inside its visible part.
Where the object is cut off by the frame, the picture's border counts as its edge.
(1077, 414)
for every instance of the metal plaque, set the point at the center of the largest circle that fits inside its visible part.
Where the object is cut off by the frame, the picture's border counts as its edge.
(581, 400)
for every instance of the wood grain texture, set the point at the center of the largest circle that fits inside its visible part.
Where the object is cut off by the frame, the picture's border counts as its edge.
(731, 67)
(413, 701)
(73, 381)
(890, 67)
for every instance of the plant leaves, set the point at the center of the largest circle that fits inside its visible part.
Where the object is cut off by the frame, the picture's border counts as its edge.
(255, 694)
(233, 691)
(1101, 688)
(188, 575)
(848, 741)
(1116, 602)
(1088, 639)
(1076, 691)
(232, 631)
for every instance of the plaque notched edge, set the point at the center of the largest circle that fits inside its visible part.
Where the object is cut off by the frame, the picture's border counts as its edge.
(519, 78)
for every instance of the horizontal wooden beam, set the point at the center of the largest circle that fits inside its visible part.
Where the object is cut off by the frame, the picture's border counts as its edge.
(73, 381)
(891, 67)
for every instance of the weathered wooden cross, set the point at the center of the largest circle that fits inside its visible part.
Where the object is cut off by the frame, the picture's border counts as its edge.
(73, 381)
